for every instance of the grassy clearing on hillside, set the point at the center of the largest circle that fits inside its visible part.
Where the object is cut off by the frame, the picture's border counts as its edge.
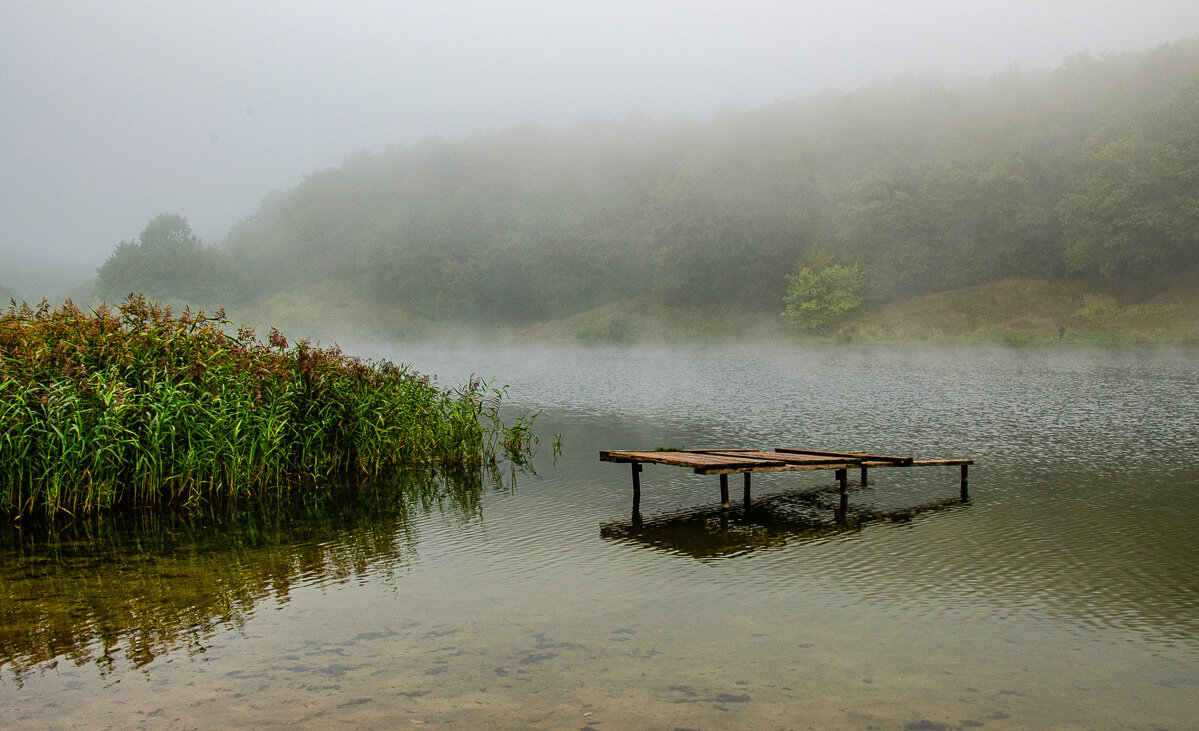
(1030, 312)
(1014, 311)
(135, 407)
(632, 321)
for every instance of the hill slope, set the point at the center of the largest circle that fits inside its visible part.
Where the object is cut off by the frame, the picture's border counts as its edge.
(1013, 311)
(1087, 173)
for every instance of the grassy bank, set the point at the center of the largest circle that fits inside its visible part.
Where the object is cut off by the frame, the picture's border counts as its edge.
(134, 406)
(1029, 312)
(1013, 312)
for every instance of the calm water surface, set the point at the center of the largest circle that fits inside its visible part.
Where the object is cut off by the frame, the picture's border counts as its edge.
(1064, 593)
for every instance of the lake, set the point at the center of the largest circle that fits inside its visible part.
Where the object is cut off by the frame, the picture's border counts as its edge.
(1064, 593)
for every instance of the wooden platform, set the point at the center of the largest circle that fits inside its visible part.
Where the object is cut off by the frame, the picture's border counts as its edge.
(725, 462)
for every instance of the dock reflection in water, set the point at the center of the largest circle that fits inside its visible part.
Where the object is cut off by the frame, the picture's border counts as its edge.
(120, 591)
(765, 523)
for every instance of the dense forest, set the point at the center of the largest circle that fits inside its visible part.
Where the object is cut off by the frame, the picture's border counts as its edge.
(1089, 172)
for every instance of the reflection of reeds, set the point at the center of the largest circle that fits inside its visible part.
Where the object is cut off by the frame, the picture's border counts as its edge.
(133, 406)
(123, 590)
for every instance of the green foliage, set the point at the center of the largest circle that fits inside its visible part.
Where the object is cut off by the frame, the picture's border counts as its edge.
(134, 407)
(933, 185)
(169, 262)
(817, 297)
(1134, 219)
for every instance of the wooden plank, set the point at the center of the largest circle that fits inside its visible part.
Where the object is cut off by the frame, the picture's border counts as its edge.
(789, 458)
(695, 460)
(716, 463)
(776, 467)
(681, 457)
(921, 463)
(849, 455)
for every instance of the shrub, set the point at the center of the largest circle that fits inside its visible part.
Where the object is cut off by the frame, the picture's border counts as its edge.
(817, 297)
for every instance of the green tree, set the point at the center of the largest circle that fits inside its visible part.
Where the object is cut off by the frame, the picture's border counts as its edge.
(816, 297)
(169, 262)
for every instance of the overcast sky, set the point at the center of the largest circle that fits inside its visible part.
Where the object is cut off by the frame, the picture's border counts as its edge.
(113, 112)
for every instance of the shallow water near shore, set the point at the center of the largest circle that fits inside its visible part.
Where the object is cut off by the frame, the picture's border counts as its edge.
(1064, 593)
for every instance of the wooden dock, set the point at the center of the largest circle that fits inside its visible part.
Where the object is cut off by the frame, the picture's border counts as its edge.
(725, 462)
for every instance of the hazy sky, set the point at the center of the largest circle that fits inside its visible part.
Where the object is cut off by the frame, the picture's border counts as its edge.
(112, 112)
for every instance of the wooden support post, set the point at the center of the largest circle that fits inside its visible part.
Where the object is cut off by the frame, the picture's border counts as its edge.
(843, 504)
(965, 482)
(747, 491)
(863, 475)
(724, 492)
(636, 486)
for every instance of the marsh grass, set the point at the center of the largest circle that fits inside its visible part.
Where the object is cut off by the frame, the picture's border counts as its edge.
(133, 406)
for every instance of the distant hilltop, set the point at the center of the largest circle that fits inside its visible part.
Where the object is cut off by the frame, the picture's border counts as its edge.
(921, 185)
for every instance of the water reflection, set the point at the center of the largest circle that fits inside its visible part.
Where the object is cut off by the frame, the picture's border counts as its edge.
(765, 523)
(121, 591)
(1065, 593)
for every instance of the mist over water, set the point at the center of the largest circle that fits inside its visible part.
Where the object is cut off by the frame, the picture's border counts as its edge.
(1063, 591)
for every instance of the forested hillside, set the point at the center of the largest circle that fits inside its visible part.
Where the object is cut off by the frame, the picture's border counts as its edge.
(1089, 172)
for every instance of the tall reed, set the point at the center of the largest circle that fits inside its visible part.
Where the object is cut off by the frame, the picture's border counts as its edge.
(134, 406)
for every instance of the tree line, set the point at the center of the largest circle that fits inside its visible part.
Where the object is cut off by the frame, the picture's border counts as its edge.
(916, 185)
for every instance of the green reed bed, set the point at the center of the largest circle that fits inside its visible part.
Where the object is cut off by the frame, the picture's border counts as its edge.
(133, 406)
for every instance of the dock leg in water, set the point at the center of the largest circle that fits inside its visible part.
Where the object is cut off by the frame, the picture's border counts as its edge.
(636, 486)
(724, 492)
(965, 482)
(843, 503)
(747, 491)
(863, 475)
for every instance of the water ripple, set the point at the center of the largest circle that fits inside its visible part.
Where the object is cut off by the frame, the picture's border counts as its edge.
(1084, 466)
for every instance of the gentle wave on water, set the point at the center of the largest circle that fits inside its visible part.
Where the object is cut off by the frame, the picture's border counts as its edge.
(1080, 494)
(1073, 567)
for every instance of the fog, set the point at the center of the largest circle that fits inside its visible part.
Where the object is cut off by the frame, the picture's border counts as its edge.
(113, 112)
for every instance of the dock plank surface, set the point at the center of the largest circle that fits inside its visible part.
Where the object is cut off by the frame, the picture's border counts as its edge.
(725, 462)
(794, 458)
(860, 456)
(694, 460)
